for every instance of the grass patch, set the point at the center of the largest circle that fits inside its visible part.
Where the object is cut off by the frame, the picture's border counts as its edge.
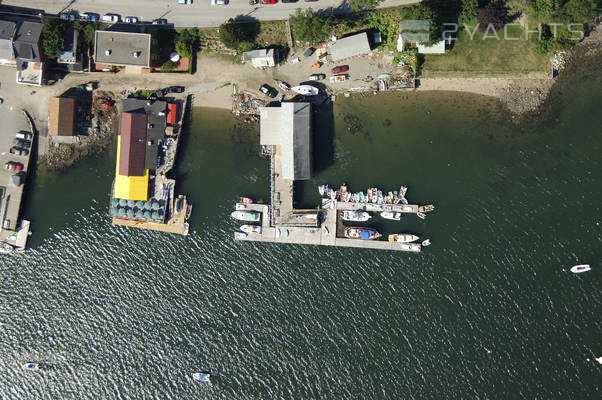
(233, 58)
(487, 57)
(272, 33)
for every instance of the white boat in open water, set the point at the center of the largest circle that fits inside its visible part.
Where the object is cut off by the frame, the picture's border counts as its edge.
(579, 269)
(305, 90)
(360, 216)
(31, 366)
(394, 215)
(201, 377)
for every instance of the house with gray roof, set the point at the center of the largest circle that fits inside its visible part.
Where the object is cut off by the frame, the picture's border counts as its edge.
(122, 48)
(350, 46)
(7, 32)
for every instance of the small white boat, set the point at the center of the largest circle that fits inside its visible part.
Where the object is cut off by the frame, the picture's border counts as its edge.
(240, 206)
(579, 269)
(250, 228)
(278, 232)
(355, 216)
(239, 235)
(421, 215)
(403, 237)
(394, 215)
(321, 190)
(599, 359)
(201, 377)
(402, 191)
(252, 216)
(426, 242)
(31, 366)
(305, 90)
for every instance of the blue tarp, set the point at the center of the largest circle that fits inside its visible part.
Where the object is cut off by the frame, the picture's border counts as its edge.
(365, 235)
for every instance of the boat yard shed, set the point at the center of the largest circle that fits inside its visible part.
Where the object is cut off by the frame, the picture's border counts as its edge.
(133, 144)
(351, 46)
(289, 127)
(261, 58)
(122, 48)
(61, 116)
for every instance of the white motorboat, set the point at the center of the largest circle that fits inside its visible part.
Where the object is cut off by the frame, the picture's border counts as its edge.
(250, 228)
(252, 216)
(394, 215)
(31, 366)
(426, 242)
(201, 377)
(305, 90)
(599, 359)
(360, 216)
(239, 235)
(421, 215)
(321, 189)
(240, 206)
(402, 191)
(579, 269)
(403, 237)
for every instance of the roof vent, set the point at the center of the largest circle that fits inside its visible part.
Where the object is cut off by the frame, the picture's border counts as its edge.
(108, 52)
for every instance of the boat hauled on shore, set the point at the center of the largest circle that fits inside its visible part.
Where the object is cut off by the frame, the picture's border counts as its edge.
(305, 90)
(361, 233)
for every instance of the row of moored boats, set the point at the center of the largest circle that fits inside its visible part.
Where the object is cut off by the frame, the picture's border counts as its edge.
(372, 195)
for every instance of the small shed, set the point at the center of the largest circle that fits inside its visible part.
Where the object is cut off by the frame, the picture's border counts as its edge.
(261, 58)
(61, 116)
(436, 48)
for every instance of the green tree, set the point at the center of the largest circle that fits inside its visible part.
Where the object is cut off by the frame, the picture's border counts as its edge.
(235, 31)
(469, 12)
(52, 37)
(358, 5)
(494, 14)
(245, 46)
(168, 66)
(578, 10)
(184, 49)
(310, 28)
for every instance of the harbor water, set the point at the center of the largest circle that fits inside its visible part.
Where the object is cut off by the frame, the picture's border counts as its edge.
(485, 312)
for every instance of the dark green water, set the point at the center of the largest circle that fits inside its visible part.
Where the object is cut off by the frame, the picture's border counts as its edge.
(115, 313)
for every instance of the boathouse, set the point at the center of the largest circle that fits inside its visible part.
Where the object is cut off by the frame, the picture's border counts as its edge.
(288, 128)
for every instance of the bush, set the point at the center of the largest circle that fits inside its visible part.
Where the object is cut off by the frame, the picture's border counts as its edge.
(494, 14)
(245, 46)
(234, 32)
(168, 66)
(470, 10)
(53, 43)
(310, 28)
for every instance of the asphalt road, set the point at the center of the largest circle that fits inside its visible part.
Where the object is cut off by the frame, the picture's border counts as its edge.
(200, 14)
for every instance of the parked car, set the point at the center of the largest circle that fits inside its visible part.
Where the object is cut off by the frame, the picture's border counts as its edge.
(1, 100)
(13, 166)
(309, 52)
(317, 77)
(184, 1)
(295, 60)
(18, 151)
(130, 20)
(23, 135)
(21, 143)
(87, 16)
(174, 89)
(268, 1)
(219, 2)
(159, 21)
(110, 18)
(67, 16)
(268, 90)
(340, 68)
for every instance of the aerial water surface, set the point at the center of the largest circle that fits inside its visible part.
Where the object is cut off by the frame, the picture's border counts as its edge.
(485, 312)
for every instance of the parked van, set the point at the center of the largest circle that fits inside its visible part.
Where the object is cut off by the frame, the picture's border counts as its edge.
(23, 135)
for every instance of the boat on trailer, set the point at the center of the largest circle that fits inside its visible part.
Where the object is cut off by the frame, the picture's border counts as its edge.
(579, 269)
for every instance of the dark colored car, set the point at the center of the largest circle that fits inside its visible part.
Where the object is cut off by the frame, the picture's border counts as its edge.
(310, 0)
(174, 89)
(268, 91)
(309, 52)
(290, 1)
(19, 151)
(21, 143)
(340, 68)
(317, 77)
(160, 21)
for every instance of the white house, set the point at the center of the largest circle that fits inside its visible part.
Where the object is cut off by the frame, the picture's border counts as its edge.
(261, 58)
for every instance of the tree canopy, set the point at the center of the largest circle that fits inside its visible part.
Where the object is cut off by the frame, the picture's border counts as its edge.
(52, 37)
(494, 14)
(310, 28)
(469, 11)
(234, 32)
(187, 42)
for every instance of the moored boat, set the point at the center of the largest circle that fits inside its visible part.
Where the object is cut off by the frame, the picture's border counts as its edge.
(239, 235)
(202, 377)
(402, 191)
(322, 189)
(305, 90)
(421, 215)
(245, 200)
(361, 233)
(250, 228)
(188, 211)
(252, 216)
(31, 366)
(355, 216)
(6, 248)
(403, 237)
(426, 242)
(240, 206)
(426, 208)
(394, 215)
(579, 269)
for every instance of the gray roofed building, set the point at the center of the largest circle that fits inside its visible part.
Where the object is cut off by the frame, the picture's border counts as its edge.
(69, 53)
(261, 58)
(351, 46)
(156, 112)
(122, 48)
(7, 32)
(27, 41)
(289, 126)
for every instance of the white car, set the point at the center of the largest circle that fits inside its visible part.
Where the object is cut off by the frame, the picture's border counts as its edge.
(184, 1)
(67, 16)
(110, 18)
(130, 20)
(219, 2)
